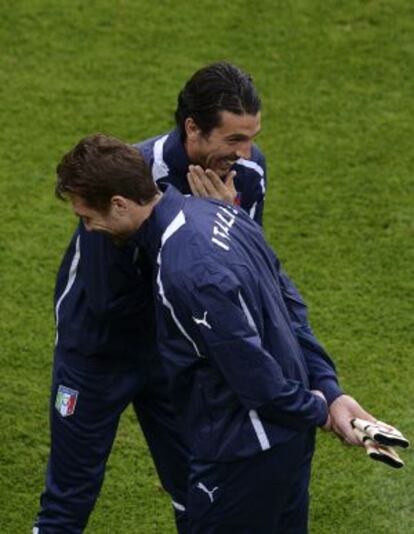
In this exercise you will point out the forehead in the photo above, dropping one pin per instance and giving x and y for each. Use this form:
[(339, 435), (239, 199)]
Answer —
[(244, 124)]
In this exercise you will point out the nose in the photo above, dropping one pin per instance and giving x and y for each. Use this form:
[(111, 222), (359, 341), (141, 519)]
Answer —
[(244, 149)]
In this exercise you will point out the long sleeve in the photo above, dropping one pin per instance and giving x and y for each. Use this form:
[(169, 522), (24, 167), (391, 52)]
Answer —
[(115, 286), (214, 318), (321, 367)]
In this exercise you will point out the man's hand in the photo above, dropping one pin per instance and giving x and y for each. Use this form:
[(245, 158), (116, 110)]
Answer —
[(207, 183), (342, 410)]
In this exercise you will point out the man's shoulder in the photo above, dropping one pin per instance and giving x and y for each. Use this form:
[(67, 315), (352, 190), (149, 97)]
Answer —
[(195, 270), (206, 237), (150, 141), (257, 154), (146, 147), (255, 165), (162, 153)]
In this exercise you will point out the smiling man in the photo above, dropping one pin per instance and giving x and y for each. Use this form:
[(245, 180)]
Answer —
[(229, 141), (211, 152)]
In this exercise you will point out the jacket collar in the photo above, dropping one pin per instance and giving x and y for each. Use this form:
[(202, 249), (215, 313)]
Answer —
[(164, 217), (176, 159)]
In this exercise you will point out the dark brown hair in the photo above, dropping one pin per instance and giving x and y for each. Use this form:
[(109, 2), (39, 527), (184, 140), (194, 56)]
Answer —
[(99, 167), (215, 88)]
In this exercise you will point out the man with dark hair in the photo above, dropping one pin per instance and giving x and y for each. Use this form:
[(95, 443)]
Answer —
[(211, 151), (105, 355), (217, 118), (241, 381)]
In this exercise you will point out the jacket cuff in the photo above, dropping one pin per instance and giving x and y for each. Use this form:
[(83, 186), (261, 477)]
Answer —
[(330, 388), (322, 411)]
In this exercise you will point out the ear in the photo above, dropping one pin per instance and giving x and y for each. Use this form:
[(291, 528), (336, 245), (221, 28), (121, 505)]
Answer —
[(192, 131), (119, 203)]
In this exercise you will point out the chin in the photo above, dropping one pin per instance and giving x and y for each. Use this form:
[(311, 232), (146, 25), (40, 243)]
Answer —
[(222, 172)]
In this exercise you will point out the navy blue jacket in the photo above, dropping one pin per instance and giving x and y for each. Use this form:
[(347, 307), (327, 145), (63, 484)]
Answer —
[(240, 378), (103, 303)]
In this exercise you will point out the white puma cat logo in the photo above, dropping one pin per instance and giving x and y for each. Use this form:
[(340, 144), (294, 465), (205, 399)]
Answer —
[(201, 486), (202, 321)]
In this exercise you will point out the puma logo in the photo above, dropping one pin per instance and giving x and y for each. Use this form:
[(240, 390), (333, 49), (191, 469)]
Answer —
[(201, 486), (202, 321)]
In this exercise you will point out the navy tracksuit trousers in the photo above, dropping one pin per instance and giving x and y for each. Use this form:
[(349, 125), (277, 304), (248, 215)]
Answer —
[(263, 494), (81, 442)]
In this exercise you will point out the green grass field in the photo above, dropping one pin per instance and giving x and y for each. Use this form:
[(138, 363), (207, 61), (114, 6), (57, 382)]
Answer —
[(337, 83)]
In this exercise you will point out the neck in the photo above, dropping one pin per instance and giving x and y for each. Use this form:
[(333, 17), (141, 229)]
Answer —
[(142, 213), (191, 151)]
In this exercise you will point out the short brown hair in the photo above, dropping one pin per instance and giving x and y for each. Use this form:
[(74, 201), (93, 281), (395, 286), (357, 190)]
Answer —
[(99, 167)]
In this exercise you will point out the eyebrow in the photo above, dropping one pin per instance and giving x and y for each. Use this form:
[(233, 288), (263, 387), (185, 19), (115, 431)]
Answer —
[(243, 136)]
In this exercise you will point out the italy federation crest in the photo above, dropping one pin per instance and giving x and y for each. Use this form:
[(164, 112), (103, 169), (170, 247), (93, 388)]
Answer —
[(66, 400)]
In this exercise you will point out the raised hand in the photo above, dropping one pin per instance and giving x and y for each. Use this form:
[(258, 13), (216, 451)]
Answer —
[(207, 183)]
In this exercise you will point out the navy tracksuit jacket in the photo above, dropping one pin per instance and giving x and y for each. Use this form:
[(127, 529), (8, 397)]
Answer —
[(239, 375), (240, 378)]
